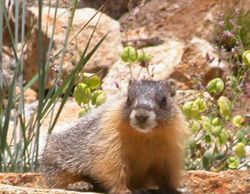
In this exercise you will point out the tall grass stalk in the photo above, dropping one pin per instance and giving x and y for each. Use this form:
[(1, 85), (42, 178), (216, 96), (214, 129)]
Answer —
[(1, 69), (19, 143)]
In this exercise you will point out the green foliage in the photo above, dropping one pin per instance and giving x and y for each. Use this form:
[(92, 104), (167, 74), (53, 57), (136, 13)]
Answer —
[(144, 57), (19, 143), (219, 140), (129, 54), (82, 93), (246, 58), (221, 132), (86, 92), (216, 85)]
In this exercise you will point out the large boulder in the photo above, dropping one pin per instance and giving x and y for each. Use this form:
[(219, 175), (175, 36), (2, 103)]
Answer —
[(105, 56), (181, 19)]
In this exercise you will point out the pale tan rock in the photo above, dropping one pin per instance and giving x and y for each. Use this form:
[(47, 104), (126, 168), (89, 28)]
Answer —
[(8, 189), (105, 56), (30, 95), (164, 58)]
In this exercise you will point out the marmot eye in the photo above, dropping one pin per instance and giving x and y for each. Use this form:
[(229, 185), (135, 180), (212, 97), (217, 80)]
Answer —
[(163, 102)]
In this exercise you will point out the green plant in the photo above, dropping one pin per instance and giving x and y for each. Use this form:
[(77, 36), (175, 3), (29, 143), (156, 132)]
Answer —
[(19, 144), (220, 131), (221, 123), (87, 92)]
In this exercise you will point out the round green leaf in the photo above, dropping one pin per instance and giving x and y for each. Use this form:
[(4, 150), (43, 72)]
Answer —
[(233, 162), (238, 120), (216, 130), (225, 107), (101, 98), (129, 54), (94, 82), (206, 123), (246, 58), (221, 139), (217, 122), (144, 57), (215, 85), (195, 126), (201, 104), (190, 109), (82, 94), (240, 149)]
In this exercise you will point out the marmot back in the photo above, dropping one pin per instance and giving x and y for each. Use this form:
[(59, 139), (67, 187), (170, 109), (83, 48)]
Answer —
[(133, 143)]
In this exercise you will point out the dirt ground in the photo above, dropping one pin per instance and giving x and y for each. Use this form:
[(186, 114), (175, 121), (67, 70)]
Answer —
[(196, 182)]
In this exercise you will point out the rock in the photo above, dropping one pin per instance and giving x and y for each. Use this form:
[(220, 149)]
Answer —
[(30, 95), (198, 62), (179, 19), (8, 65), (7, 189), (114, 10), (52, 3), (8, 71), (195, 182), (10, 9), (105, 56), (164, 58), (207, 29)]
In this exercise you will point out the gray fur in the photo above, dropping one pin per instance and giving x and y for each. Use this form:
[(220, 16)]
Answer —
[(64, 151)]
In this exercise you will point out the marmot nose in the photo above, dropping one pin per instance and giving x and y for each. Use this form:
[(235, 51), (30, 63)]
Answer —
[(141, 118)]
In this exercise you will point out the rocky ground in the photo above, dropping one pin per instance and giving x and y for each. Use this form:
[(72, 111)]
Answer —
[(178, 34), (196, 182)]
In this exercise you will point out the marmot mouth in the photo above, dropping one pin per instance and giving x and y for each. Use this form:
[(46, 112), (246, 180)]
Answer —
[(143, 128), (143, 120)]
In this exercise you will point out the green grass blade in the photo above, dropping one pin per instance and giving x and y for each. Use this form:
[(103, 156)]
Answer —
[(8, 109), (41, 84), (1, 71), (9, 29)]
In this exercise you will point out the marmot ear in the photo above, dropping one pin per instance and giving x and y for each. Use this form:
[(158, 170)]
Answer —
[(171, 87)]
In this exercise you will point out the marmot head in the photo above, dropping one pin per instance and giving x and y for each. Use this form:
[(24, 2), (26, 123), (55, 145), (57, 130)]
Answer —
[(150, 103)]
